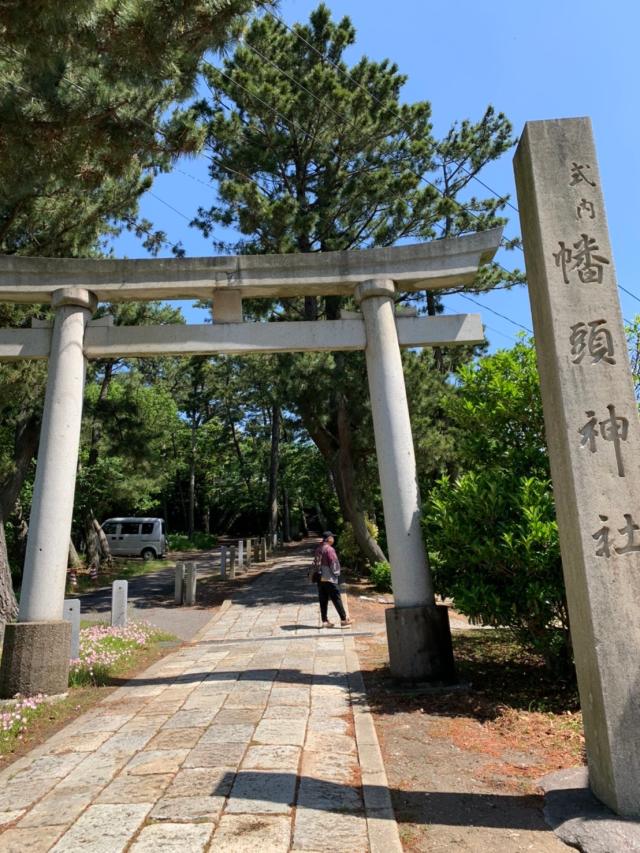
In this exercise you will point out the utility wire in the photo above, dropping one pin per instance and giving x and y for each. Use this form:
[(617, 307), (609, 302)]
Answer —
[(629, 293), (497, 313), (170, 206)]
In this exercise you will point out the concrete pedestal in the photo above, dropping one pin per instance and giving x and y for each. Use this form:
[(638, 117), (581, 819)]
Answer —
[(35, 658), (419, 641)]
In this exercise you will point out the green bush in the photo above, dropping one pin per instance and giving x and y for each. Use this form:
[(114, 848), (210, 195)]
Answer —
[(198, 542), (491, 529), (381, 576), (349, 550)]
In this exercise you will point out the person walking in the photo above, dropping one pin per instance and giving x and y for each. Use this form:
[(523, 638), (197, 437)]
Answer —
[(328, 572)]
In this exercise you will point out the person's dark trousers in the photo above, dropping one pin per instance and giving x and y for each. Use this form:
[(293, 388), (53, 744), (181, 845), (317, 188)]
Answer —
[(326, 591)]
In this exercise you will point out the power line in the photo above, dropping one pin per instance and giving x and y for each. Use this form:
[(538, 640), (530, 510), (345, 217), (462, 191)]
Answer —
[(497, 313), (170, 206), (498, 332), (629, 293)]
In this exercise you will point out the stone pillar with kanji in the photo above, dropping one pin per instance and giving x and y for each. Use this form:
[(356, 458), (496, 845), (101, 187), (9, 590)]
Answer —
[(593, 436)]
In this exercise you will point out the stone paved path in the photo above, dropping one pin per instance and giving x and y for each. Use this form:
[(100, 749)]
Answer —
[(254, 737)]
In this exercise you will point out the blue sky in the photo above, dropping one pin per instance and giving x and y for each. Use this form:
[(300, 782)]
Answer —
[(531, 60)]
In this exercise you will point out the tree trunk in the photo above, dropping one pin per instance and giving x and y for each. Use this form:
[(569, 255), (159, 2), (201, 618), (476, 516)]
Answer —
[(74, 563), (238, 450), (98, 551), (96, 426), (192, 481), (336, 450), (25, 444), (273, 470), (8, 603), (21, 531), (286, 518), (304, 529), (432, 311), (74, 560)]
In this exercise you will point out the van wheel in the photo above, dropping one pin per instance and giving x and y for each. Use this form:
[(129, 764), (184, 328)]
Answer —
[(148, 554)]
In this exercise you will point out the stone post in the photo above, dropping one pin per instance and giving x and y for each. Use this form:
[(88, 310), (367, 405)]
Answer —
[(119, 594), (232, 561), (223, 561), (45, 568), (240, 555), (248, 550), (190, 582), (593, 435), (263, 549), (71, 613), (417, 629), (179, 584)]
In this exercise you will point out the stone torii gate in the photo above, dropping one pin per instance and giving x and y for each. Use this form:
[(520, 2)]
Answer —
[(36, 648)]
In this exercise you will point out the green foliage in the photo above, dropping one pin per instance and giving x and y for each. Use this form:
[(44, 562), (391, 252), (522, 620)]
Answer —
[(381, 576), (350, 553), (314, 154), (198, 542), (86, 119), (492, 528)]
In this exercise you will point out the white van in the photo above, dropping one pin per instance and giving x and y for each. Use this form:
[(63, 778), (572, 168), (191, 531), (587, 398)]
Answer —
[(136, 537)]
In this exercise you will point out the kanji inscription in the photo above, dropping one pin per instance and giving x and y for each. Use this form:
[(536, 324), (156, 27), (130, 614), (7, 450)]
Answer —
[(614, 429), (579, 174), (604, 542), (582, 258), (592, 339), (587, 208)]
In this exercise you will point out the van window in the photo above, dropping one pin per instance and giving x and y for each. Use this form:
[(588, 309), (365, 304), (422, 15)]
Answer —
[(109, 528), (147, 528), (128, 528)]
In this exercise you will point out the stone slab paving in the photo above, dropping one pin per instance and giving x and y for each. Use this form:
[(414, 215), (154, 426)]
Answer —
[(256, 735)]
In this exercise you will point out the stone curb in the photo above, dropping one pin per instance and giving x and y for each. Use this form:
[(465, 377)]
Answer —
[(381, 823), (226, 604)]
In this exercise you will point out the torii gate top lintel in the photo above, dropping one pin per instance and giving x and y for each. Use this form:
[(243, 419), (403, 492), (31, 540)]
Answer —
[(435, 264)]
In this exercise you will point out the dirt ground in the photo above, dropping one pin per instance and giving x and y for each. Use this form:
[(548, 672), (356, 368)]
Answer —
[(462, 765)]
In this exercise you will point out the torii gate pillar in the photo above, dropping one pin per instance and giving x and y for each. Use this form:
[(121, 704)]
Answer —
[(418, 630), (37, 648)]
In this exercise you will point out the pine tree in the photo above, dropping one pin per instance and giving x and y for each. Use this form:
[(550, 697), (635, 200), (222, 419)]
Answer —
[(312, 155), (88, 90)]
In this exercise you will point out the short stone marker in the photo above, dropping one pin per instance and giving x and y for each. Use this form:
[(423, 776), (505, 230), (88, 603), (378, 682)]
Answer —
[(240, 555), (256, 552), (119, 592), (190, 582), (179, 584), (593, 434), (223, 561), (263, 549), (71, 613), (248, 551), (232, 561)]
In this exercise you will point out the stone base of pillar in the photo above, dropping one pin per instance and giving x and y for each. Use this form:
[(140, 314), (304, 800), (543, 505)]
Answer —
[(35, 658), (419, 641)]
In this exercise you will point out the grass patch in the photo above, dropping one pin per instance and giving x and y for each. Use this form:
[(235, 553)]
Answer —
[(119, 570), (197, 542)]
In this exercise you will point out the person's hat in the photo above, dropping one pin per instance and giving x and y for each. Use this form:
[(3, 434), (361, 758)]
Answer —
[(327, 534)]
